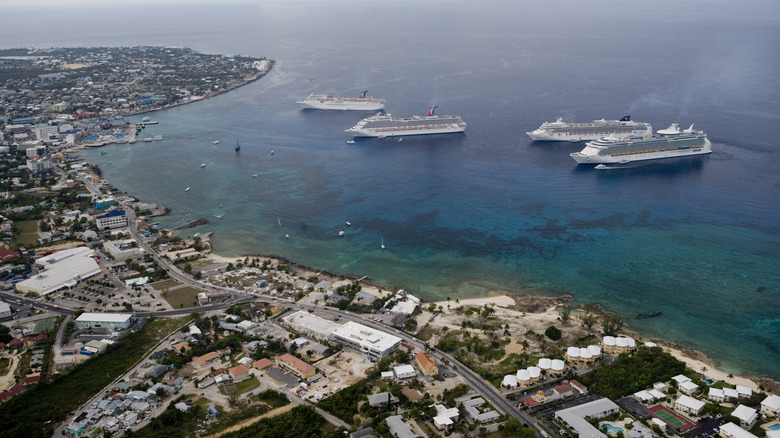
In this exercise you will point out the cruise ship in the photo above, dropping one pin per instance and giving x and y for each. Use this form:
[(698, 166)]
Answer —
[(384, 125), (562, 131), (667, 143), (325, 102)]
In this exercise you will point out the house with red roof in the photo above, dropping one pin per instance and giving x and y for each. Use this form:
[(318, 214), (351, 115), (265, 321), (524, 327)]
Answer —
[(6, 255), (43, 337), (30, 380), (17, 389), (2, 345), (5, 395), (15, 343)]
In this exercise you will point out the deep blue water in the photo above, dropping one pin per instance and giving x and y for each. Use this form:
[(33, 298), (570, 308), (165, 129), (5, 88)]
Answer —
[(490, 210)]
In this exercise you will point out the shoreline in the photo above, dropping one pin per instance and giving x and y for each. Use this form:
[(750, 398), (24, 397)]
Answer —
[(547, 306)]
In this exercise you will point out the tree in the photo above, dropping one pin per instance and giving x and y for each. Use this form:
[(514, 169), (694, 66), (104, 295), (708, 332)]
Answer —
[(612, 324), (566, 313), (553, 333), (588, 320)]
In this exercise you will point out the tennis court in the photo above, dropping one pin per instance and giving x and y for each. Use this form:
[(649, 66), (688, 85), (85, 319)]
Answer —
[(675, 421)]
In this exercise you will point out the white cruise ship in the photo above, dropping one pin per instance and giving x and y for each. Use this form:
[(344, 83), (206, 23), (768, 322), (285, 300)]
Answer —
[(325, 102), (563, 131), (384, 125), (667, 143)]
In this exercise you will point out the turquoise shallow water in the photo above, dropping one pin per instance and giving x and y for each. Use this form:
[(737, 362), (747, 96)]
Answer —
[(488, 211)]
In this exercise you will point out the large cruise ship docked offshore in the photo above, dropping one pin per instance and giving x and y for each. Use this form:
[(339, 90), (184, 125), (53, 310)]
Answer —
[(667, 143), (325, 102), (384, 125), (563, 131)]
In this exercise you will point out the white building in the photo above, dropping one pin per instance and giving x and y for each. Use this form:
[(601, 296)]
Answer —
[(689, 405), (716, 394), (445, 417), (112, 219), (310, 324), (483, 417), (61, 269), (731, 430), (113, 321), (404, 372), (747, 415), (398, 428), (510, 381), (689, 387), (744, 391), (771, 406), (577, 417), (367, 340), (5, 311)]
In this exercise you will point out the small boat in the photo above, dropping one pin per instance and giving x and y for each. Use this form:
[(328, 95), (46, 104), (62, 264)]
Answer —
[(220, 205), (157, 137), (383, 243), (648, 315), (400, 139), (103, 152), (146, 119), (216, 142), (272, 151), (602, 166), (350, 141), (286, 236), (349, 224), (133, 141), (341, 233), (147, 140), (280, 221), (219, 216), (187, 189), (202, 165), (238, 146), (254, 175)]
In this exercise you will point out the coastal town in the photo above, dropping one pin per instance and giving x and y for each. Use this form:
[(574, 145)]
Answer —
[(113, 326)]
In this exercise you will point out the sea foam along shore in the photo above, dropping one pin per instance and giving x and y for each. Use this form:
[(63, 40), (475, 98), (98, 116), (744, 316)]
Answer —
[(506, 305)]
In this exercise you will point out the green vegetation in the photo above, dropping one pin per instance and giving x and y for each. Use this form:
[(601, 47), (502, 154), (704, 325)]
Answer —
[(243, 386), (514, 428), (182, 297), (172, 423), (301, 421), (166, 284), (26, 234), (553, 333), (629, 374), (344, 403), (35, 412), (272, 398)]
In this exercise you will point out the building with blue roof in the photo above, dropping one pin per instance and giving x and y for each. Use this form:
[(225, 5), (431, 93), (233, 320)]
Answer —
[(112, 219)]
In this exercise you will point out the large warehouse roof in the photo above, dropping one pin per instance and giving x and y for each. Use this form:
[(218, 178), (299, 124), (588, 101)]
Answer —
[(60, 270), (104, 317)]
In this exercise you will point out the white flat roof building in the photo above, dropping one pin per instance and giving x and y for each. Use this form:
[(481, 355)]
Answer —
[(747, 415), (689, 404), (688, 387), (61, 269), (108, 320), (5, 310), (771, 405), (510, 381), (404, 372), (577, 416), (365, 339), (310, 324)]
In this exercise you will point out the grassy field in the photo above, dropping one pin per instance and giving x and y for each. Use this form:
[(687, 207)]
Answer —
[(27, 234), (4, 364), (44, 325), (165, 284), (182, 298), (244, 386)]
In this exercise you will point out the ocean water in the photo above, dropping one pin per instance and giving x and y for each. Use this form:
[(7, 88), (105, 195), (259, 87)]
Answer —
[(487, 211)]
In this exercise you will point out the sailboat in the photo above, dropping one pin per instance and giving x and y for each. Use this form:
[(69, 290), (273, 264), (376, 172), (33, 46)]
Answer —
[(238, 146), (383, 243)]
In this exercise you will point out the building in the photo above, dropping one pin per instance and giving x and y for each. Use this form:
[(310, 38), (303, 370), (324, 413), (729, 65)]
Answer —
[(427, 364), (105, 203), (471, 407), (689, 405), (375, 343), (399, 429), (577, 417), (94, 347), (404, 372), (5, 311), (744, 391), (617, 345), (206, 360), (262, 364), (716, 394), (445, 417), (112, 219), (239, 373), (296, 366), (689, 387), (731, 430), (114, 321), (123, 249), (746, 415), (510, 381), (771, 406), (310, 325), (382, 399), (60, 270)]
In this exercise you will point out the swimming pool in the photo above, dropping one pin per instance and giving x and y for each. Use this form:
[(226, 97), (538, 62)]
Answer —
[(612, 428), (775, 426)]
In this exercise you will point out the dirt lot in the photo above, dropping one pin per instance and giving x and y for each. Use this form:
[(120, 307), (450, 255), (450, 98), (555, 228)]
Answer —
[(348, 367), (182, 297), (165, 284)]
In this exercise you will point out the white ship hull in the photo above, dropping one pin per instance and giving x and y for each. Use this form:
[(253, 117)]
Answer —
[(587, 156), (401, 132), (325, 102), (573, 132)]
